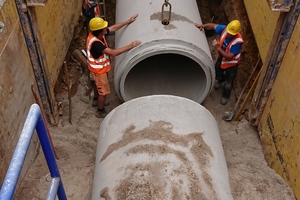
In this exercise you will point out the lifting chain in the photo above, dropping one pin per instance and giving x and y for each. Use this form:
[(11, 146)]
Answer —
[(166, 20)]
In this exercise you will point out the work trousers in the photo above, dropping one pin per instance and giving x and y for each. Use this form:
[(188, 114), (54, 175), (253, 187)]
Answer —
[(228, 75)]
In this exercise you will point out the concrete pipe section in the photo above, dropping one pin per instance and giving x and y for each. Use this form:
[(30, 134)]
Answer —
[(174, 57), (160, 147)]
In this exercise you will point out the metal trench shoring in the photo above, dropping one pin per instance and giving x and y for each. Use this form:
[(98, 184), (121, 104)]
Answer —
[(36, 61), (275, 62)]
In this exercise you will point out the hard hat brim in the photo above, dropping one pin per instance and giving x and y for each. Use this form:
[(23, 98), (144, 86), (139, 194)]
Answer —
[(231, 33)]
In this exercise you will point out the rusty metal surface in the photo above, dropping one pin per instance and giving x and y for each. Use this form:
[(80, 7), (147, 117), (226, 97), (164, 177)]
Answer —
[(275, 61), (276, 106), (35, 59)]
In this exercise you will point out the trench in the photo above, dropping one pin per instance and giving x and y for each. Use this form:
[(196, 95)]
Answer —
[(158, 73), (211, 11)]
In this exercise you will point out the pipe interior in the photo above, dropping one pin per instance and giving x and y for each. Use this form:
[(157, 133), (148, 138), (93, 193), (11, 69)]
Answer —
[(169, 74)]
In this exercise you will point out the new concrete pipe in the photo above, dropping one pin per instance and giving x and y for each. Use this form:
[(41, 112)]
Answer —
[(173, 59), (160, 147)]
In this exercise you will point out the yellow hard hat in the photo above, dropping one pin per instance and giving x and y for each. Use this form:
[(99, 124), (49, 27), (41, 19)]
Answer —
[(234, 27), (97, 23)]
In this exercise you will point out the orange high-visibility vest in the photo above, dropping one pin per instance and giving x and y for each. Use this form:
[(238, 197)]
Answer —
[(100, 65), (236, 59)]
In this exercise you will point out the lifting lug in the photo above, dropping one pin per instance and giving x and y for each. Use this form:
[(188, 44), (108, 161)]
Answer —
[(166, 20)]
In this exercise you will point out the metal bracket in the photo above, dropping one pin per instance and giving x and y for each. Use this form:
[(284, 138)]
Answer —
[(36, 2), (1, 27), (281, 5)]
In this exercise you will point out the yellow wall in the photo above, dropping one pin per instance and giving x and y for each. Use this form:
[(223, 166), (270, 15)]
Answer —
[(263, 22), (56, 22), (281, 145), (53, 25), (16, 77), (280, 123)]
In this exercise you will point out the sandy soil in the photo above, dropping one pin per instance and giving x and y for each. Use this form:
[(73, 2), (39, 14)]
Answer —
[(75, 145)]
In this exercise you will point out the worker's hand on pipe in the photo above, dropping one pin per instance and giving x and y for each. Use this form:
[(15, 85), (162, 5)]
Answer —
[(215, 43), (200, 26), (133, 18), (135, 43)]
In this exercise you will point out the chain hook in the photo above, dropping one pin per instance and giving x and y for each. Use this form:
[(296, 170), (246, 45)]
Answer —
[(166, 20)]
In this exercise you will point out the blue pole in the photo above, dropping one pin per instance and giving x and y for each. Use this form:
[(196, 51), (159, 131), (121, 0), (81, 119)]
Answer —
[(53, 188), (16, 164), (33, 121), (49, 155)]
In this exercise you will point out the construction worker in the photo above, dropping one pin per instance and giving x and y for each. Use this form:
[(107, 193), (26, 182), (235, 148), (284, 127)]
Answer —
[(229, 48), (89, 9), (98, 56)]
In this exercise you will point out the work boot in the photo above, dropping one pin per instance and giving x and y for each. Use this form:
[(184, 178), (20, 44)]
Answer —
[(224, 101), (95, 103), (101, 113), (218, 84)]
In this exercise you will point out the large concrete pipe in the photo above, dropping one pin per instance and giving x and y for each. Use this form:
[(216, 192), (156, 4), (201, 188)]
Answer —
[(173, 59), (160, 147)]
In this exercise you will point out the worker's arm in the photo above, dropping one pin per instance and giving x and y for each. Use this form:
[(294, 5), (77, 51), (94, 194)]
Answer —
[(208, 26), (118, 51), (218, 48), (117, 26)]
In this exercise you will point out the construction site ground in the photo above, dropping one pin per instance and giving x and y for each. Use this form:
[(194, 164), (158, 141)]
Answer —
[(75, 143)]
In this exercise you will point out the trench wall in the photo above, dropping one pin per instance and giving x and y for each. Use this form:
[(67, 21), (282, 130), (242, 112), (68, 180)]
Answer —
[(263, 22), (16, 77), (54, 25), (56, 22), (280, 123)]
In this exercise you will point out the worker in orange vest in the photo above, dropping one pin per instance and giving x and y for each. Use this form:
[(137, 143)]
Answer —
[(229, 48), (98, 57), (89, 9)]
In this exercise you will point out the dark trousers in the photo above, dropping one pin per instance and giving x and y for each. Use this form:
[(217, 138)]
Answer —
[(86, 26), (228, 75)]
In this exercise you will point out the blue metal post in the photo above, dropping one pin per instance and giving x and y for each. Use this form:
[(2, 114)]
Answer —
[(33, 121), (16, 164), (49, 155), (53, 188)]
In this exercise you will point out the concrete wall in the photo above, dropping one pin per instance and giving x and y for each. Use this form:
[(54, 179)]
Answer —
[(280, 123), (53, 25), (263, 22)]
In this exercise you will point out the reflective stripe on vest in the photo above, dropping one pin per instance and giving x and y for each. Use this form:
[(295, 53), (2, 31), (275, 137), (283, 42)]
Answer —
[(236, 59), (100, 65)]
